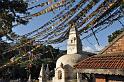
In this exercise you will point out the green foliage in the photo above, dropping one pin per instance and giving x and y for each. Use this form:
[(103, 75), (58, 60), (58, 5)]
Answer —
[(122, 4), (10, 12), (114, 35), (44, 54), (3, 47)]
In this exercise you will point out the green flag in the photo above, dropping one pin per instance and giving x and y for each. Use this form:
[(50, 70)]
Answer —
[(54, 0)]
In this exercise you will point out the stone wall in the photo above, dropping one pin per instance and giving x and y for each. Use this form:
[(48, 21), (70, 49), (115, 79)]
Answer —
[(116, 47)]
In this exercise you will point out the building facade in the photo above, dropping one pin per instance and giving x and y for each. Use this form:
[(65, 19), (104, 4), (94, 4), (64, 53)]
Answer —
[(107, 66)]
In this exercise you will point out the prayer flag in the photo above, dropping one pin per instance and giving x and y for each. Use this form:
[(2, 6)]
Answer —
[(50, 1), (63, 1), (55, 0)]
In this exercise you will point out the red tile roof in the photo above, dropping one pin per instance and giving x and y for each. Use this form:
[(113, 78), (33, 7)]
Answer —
[(115, 61), (112, 60)]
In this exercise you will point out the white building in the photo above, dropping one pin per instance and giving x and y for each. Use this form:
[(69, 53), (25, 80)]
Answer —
[(64, 71)]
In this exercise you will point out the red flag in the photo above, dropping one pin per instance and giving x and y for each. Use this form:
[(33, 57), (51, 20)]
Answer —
[(50, 1), (63, 1)]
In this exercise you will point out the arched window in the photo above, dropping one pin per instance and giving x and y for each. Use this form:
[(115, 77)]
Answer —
[(59, 74), (74, 39)]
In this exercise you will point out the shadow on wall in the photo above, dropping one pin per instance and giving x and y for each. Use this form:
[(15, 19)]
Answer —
[(68, 72)]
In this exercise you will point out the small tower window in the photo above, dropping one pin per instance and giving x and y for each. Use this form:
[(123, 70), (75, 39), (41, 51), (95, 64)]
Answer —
[(71, 41), (74, 39)]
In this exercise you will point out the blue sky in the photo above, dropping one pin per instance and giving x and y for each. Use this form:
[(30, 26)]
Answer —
[(36, 22)]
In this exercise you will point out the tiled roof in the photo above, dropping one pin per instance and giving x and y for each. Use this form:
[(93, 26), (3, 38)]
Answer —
[(102, 62), (112, 60)]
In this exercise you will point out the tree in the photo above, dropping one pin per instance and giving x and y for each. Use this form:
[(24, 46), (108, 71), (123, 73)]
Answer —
[(3, 46), (44, 54), (114, 35), (11, 12)]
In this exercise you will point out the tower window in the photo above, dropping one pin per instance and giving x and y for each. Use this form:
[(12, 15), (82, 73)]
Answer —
[(74, 39), (71, 41)]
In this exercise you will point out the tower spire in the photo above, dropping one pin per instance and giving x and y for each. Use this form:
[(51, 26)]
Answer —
[(74, 45)]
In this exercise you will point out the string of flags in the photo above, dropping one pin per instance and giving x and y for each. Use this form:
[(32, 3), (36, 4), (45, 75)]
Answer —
[(17, 60), (48, 1), (54, 35), (51, 8), (49, 22), (50, 41), (42, 4), (94, 21), (62, 25), (66, 17), (60, 16), (46, 24), (108, 20), (54, 32), (32, 2)]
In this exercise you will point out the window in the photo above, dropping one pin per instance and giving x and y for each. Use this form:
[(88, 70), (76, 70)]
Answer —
[(71, 41)]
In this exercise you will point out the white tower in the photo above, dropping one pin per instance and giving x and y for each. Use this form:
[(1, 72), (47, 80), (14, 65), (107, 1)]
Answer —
[(74, 45), (64, 71)]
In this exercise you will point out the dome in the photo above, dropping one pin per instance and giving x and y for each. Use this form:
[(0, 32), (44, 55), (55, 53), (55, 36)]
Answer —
[(68, 59)]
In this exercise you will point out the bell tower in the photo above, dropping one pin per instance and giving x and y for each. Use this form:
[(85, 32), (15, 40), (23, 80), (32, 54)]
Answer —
[(74, 45)]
